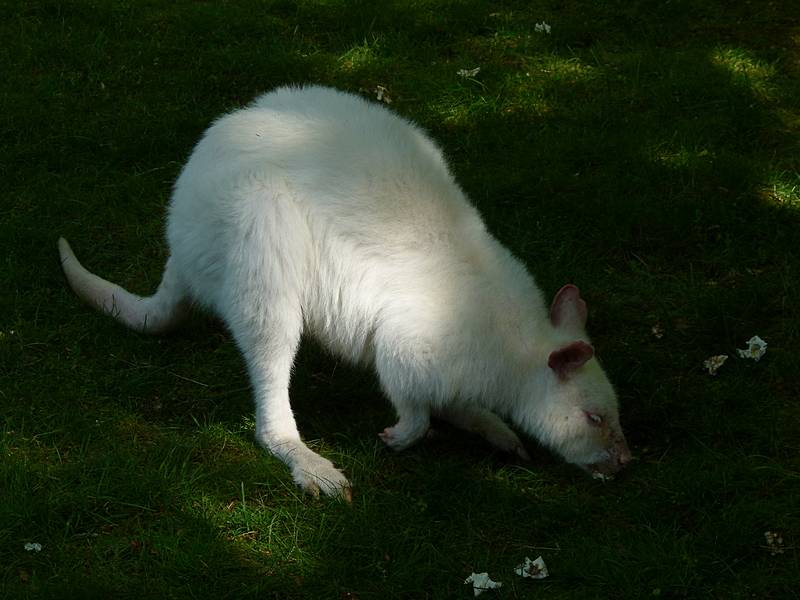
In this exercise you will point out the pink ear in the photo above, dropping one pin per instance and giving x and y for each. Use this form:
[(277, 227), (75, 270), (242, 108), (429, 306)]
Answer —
[(568, 309), (569, 358)]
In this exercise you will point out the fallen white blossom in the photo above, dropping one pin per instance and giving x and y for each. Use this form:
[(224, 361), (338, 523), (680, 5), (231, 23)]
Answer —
[(713, 364), (481, 582), (657, 330), (33, 547), (468, 72), (534, 569), (774, 542), (382, 94), (756, 348), (542, 28)]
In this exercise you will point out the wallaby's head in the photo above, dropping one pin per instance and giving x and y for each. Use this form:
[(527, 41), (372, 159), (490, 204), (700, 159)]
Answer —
[(579, 417)]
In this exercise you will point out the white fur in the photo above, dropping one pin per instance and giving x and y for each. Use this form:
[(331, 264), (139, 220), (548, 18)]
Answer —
[(316, 210)]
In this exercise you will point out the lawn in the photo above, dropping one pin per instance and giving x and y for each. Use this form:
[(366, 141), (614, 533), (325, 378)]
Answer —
[(646, 151)]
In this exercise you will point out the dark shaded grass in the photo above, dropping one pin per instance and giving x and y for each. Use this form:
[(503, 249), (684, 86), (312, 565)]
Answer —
[(646, 153)]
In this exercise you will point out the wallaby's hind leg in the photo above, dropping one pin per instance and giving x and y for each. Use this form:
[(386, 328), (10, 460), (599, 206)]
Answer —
[(412, 425), (268, 338), (487, 425), (413, 417)]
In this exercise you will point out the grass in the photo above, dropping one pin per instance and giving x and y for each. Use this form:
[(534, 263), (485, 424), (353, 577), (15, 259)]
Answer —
[(647, 152)]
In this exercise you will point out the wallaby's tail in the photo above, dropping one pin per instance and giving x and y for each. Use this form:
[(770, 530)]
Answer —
[(158, 313)]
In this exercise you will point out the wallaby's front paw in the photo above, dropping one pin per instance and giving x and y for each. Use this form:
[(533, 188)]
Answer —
[(506, 440), (496, 432), (316, 475)]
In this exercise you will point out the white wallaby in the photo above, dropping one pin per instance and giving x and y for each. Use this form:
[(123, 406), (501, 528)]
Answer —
[(317, 210)]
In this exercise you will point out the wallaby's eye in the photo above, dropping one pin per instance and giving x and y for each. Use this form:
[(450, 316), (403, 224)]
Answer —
[(594, 418)]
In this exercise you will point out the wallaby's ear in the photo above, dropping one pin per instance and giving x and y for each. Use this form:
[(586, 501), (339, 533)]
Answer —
[(568, 310), (569, 358)]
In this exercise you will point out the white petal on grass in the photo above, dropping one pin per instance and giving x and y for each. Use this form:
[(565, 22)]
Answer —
[(33, 547), (533, 569), (756, 348), (468, 72), (713, 363), (774, 542), (542, 28), (382, 94), (481, 583)]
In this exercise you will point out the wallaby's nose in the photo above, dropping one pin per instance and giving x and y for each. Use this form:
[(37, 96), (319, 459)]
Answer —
[(624, 455)]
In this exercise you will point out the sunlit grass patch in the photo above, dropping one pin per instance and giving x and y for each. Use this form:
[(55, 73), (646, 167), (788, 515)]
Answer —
[(359, 57), (562, 69), (740, 61), (533, 88), (746, 69), (682, 157), (460, 112), (784, 189)]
